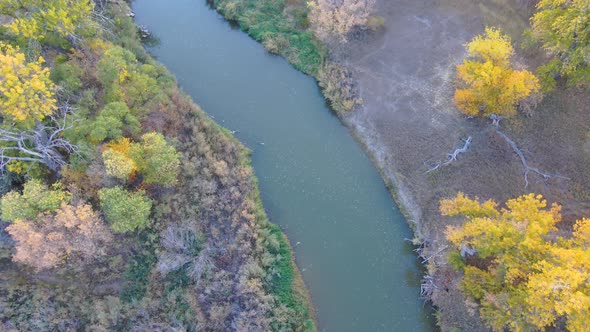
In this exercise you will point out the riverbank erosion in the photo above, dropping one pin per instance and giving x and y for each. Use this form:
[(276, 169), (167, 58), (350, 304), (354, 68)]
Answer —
[(405, 76), (207, 258)]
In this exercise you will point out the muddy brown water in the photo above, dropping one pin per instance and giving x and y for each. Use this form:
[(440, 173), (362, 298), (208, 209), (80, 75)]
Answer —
[(316, 181)]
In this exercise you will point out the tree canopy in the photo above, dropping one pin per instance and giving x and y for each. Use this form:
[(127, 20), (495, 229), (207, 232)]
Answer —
[(35, 198), (156, 160), (73, 233), (524, 276), (125, 211), (26, 92), (488, 83), (43, 19), (562, 28)]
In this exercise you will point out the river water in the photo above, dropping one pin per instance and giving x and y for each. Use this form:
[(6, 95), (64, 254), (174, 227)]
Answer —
[(315, 180)]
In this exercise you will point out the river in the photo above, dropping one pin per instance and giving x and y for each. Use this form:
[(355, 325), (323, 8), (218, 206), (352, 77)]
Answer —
[(316, 181)]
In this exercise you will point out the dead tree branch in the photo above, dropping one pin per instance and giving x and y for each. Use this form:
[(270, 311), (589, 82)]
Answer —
[(452, 156), (427, 287), (525, 165), (43, 144), (426, 259), (496, 119)]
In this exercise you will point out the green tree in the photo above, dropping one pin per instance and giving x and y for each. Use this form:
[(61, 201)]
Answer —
[(112, 121), (524, 276), (125, 211), (36, 198), (489, 84), (157, 160), (562, 28), (125, 79)]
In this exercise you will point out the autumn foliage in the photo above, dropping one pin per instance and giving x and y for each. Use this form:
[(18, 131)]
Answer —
[(73, 233), (489, 85), (562, 28), (524, 276), (333, 20), (26, 92), (40, 19)]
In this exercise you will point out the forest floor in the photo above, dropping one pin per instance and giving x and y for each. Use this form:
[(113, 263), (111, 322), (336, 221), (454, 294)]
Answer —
[(405, 74)]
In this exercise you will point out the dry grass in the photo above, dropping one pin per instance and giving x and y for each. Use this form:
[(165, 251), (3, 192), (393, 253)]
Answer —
[(408, 121)]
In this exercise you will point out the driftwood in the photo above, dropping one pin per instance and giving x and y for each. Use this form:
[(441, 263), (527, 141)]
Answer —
[(427, 287), (452, 156), (525, 165)]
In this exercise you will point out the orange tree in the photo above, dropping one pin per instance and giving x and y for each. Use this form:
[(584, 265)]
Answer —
[(523, 275), (489, 85)]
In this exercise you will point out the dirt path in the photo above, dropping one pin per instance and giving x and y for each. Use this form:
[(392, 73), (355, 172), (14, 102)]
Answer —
[(405, 75)]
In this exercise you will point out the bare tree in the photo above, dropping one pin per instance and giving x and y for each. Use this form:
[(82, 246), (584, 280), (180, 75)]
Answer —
[(43, 144)]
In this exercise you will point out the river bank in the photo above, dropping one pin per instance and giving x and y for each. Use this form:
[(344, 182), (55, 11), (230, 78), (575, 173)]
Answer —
[(315, 181), (407, 123), (205, 258)]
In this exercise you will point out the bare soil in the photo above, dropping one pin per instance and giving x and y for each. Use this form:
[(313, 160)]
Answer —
[(405, 74)]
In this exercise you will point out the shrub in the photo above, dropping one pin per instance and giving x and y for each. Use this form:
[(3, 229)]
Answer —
[(68, 77), (375, 22)]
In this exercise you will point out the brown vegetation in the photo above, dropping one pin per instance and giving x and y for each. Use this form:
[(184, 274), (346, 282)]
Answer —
[(74, 234), (333, 20)]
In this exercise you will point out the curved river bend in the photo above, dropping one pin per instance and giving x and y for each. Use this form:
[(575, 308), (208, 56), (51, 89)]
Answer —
[(315, 180)]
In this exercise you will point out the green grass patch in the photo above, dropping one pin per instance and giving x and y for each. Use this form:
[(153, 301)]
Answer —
[(138, 271)]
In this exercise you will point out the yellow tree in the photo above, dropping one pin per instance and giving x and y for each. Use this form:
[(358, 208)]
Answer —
[(523, 275), (26, 92), (117, 161), (38, 19), (488, 83)]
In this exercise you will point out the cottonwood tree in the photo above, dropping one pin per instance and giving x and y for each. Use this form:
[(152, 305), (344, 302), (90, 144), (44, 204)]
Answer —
[(333, 20), (26, 92), (27, 99), (489, 85), (524, 276), (562, 28), (40, 20)]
